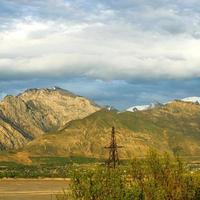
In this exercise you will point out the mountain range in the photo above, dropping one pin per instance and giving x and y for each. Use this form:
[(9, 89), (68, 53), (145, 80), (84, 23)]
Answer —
[(57, 122), (157, 104)]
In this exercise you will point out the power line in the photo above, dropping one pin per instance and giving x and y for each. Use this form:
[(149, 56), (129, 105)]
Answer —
[(113, 159)]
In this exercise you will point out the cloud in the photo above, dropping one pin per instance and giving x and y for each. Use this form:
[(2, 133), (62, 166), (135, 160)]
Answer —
[(109, 40), (116, 42)]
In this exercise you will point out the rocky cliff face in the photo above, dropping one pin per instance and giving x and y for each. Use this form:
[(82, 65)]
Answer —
[(38, 111), (10, 136)]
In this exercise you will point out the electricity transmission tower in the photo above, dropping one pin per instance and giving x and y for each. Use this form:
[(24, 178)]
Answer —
[(113, 159)]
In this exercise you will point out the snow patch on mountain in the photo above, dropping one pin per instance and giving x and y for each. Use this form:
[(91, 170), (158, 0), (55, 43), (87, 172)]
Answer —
[(192, 99), (138, 108), (144, 107), (157, 104), (110, 108)]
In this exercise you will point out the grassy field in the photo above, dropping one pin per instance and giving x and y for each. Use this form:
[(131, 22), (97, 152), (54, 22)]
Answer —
[(42, 167), (63, 167), (62, 161)]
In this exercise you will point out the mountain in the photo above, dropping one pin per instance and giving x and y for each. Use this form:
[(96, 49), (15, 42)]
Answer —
[(38, 111), (11, 136), (144, 107), (171, 127), (192, 99), (153, 105), (57, 122)]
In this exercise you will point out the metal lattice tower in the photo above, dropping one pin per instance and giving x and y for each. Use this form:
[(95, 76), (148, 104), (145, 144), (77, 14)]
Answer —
[(113, 159)]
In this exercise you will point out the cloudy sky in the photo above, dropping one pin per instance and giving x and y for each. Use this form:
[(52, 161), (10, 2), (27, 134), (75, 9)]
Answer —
[(116, 52)]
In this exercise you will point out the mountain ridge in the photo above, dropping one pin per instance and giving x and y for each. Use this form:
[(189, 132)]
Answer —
[(194, 99), (38, 111), (54, 121), (167, 128)]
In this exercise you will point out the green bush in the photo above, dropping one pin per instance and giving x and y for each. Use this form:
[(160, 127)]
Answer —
[(164, 178), (156, 177)]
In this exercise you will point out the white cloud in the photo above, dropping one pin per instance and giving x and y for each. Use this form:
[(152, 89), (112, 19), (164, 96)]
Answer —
[(110, 42)]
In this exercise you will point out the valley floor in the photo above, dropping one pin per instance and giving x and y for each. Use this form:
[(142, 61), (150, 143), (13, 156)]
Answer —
[(37, 189)]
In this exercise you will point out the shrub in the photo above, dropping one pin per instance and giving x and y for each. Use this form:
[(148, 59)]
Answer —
[(156, 177), (163, 177)]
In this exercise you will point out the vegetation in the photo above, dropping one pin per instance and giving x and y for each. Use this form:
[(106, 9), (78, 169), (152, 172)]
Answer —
[(51, 167), (156, 177), (14, 170), (62, 161)]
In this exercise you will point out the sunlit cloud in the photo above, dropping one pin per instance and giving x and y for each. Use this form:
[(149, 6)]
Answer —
[(99, 40)]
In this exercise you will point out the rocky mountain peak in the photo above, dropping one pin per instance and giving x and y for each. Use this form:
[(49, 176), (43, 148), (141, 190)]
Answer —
[(39, 111), (47, 91)]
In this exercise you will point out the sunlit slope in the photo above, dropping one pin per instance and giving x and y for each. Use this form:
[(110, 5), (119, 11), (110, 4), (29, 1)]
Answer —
[(173, 127), (39, 111)]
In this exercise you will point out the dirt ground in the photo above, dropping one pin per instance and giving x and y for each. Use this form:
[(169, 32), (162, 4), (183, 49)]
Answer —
[(31, 189)]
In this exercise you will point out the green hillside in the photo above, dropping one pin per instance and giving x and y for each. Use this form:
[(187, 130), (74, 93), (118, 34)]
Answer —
[(173, 127)]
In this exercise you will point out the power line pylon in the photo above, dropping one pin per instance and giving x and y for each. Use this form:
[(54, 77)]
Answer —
[(113, 159)]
